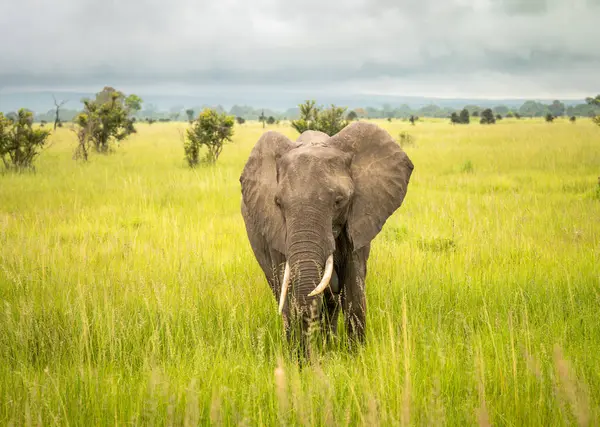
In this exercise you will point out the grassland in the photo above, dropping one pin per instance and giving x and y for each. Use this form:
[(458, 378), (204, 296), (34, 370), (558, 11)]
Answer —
[(129, 293)]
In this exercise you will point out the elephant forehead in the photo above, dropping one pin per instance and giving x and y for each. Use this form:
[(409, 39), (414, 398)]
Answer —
[(305, 157)]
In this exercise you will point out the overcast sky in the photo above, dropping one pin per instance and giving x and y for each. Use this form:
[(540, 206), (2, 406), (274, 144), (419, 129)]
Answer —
[(450, 48)]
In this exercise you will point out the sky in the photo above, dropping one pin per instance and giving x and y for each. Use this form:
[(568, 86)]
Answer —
[(452, 48)]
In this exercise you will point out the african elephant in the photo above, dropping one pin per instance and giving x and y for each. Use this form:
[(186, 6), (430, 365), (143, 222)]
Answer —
[(311, 209)]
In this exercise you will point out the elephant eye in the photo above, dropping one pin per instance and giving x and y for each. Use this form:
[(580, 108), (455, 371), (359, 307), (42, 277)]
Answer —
[(339, 201), (278, 201)]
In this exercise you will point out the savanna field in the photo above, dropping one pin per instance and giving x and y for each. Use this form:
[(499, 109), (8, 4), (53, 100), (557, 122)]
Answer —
[(129, 294)]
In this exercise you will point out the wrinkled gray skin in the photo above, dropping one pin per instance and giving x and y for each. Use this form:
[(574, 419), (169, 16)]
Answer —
[(321, 195)]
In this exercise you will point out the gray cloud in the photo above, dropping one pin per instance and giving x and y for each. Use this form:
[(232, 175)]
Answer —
[(456, 47)]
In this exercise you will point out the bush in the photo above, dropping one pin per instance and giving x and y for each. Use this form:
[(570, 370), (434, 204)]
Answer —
[(487, 117), (104, 120), (20, 144), (329, 121), (550, 118), (573, 119), (405, 139), (351, 116), (271, 120), (240, 120), (211, 130)]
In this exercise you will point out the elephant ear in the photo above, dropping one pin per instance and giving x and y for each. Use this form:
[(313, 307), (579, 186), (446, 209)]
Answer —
[(380, 172), (259, 184)]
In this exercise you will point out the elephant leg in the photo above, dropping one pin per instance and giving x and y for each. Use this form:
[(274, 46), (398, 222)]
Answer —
[(331, 309), (353, 295)]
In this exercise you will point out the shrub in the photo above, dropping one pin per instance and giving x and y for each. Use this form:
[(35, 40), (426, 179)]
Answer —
[(271, 120), (550, 118), (329, 121), (405, 139), (20, 143), (104, 120), (240, 120), (212, 130), (573, 119), (351, 116), (487, 117), (464, 117)]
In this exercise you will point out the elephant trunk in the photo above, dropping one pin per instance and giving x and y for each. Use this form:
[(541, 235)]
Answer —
[(310, 245)]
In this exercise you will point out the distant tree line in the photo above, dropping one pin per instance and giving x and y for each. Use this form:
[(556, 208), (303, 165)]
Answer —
[(151, 113)]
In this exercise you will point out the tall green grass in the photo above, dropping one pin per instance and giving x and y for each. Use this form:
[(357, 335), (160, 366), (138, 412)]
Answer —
[(129, 293)]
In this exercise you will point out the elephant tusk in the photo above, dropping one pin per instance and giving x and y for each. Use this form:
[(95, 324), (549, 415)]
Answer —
[(284, 286), (326, 278)]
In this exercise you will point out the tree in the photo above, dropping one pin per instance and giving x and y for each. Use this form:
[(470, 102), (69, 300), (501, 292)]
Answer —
[(594, 102), (475, 114), (240, 120), (454, 119), (351, 116), (20, 143), (549, 118), (190, 114), (309, 115), (58, 105), (557, 108), (517, 116), (329, 121), (271, 120), (464, 117), (500, 110), (510, 115), (498, 116), (412, 119), (262, 118), (487, 117), (105, 120), (212, 129), (573, 119)]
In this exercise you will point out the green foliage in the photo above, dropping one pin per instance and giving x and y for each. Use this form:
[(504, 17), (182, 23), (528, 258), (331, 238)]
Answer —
[(211, 130), (487, 117), (329, 121), (309, 115), (500, 110), (498, 116), (573, 119), (557, 108), (595, 102), (517, 116), (460, 118), (510, 115), (404, 139), (467, 167), (20, 143), (190, 114), (549, 118), (240, 120), (105, 120), (271, 120), (412, 119), (351, 116)]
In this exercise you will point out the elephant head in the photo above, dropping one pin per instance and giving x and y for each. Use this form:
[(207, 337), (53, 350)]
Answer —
[(303, 198)]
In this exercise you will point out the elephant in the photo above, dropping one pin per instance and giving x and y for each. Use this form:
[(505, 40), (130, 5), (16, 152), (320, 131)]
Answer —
[(311, 209)]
